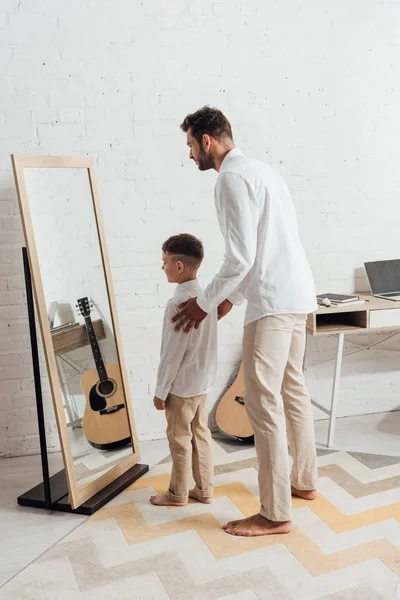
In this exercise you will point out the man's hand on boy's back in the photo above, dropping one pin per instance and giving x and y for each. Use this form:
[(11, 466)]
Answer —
[(158, 403), (191, 315)]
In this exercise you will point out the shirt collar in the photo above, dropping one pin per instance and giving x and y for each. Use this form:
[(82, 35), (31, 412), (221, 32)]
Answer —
[(187, 286), (231, 154)]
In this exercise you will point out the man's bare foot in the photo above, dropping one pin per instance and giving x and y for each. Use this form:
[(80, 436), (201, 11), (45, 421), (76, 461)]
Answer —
[(305, 494), (164, 500), (257, 525), (193, 494)]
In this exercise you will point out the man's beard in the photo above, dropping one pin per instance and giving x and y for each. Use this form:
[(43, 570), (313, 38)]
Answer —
[(205, 161)]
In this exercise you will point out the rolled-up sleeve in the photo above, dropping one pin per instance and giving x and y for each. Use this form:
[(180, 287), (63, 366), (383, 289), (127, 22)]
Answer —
[(236, 297), (238, 214)]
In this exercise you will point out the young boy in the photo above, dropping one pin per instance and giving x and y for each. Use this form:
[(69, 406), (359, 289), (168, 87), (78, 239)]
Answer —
[(186, 372)]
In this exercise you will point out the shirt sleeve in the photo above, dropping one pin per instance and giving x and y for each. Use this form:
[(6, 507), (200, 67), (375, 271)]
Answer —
[(236, 297), (238, 213), (173, 348)]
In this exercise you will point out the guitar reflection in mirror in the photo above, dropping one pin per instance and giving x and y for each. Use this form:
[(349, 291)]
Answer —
[(105, 420)]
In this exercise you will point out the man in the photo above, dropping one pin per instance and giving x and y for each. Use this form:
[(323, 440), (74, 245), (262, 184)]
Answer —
[(266, 265)]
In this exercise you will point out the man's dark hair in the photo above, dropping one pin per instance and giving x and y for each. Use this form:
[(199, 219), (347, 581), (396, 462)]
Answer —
[(186, 247), (210, 121)]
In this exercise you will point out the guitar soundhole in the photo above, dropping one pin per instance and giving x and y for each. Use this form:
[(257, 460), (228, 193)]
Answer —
[(106, 388)]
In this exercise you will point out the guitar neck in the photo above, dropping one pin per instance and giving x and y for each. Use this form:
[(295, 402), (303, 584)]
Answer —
[(98, 359)]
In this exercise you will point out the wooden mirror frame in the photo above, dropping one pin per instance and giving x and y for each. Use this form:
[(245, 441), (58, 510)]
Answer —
[(78, 494)]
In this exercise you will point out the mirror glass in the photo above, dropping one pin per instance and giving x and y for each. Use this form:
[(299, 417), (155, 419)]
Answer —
[(75, 291)]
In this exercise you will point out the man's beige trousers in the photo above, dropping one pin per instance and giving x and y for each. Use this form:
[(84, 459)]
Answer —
[(275, 392), (190, 444)]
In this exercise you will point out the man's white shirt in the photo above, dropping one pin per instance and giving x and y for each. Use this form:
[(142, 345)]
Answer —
[(265, 262)]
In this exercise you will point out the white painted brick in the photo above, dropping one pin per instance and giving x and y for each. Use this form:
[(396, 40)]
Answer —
[(64, 101), (6, 404), (9, 387), (11, 224), (125, 274), (139, 287), (16, 283), (143, 259), (21, 417), (30, 26), (10, 255), (13, 342), (16, 372), (15, 358), (20, 430), (13, 239), (27, 384), (71, 116), (59, 130), (20, 131), (6, 208), (44, 114), (28, 67), (138, 388), (30, 444), (23, 402), (11, 298), (337, 157)]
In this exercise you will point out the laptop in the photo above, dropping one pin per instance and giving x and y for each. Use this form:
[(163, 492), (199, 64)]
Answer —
[(384, 278)]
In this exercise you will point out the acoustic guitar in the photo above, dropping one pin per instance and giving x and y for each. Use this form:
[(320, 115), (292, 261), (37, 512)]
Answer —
[(105, 420), (231, 416)]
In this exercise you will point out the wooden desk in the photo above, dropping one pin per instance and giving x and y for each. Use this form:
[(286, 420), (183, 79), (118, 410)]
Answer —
[(352, 318), (76, 337)]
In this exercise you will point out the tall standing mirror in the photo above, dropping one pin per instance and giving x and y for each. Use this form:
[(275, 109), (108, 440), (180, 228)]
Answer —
[(78, 320)]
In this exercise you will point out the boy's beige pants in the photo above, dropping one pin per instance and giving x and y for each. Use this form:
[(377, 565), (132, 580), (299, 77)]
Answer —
[(190, 444), (275, 391)]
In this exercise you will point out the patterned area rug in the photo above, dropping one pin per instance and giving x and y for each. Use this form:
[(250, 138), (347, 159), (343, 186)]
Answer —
[(345, 545)]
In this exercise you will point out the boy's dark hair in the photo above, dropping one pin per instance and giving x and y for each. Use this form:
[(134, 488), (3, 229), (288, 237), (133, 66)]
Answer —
[(210, 121), (186, 247)]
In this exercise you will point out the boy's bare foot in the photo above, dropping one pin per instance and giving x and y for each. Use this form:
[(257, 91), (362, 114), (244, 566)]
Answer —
[(257, 525), (305, 494), (193, 494), (164, 500)]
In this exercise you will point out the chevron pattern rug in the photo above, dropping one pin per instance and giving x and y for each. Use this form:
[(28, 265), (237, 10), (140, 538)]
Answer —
[(345, 545)]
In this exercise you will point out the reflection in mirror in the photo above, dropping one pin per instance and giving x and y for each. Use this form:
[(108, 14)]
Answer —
[(75, 291)]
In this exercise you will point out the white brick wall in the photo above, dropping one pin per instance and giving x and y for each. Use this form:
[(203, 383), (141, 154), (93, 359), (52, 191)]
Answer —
[(313, 87)]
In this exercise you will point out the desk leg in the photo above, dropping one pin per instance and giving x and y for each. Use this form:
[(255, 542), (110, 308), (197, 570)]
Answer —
[(335, 390)]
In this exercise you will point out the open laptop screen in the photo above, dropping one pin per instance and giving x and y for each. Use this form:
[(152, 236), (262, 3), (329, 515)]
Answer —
[(384, 276)]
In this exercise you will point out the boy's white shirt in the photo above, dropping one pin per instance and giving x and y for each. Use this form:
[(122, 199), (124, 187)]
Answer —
[(188, 361)]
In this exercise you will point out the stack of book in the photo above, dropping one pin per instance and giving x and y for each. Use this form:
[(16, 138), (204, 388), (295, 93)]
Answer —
[(336, 299)]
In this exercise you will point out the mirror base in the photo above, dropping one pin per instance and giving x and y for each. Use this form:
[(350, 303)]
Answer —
[(59, 493)]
